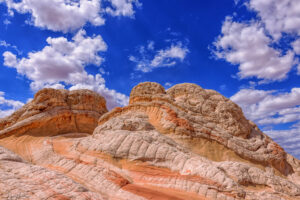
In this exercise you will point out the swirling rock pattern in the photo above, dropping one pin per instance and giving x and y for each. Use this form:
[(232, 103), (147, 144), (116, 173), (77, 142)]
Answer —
[(183, 143)]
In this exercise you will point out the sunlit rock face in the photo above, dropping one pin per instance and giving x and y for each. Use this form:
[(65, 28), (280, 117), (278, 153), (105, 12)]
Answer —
[(182, 143)]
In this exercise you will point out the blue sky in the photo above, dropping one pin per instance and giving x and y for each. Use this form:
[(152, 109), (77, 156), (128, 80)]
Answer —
[(247, 50)]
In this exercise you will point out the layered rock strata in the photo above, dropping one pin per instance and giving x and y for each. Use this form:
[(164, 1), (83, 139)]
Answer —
[(54, 112), (183, 143), (21, 180)]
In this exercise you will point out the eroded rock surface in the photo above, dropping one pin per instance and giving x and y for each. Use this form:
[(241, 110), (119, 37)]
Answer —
[(183, 143), (53, 112), (22, 180)]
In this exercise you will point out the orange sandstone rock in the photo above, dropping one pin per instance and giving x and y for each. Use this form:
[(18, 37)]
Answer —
[(183, 143), (54, 112)]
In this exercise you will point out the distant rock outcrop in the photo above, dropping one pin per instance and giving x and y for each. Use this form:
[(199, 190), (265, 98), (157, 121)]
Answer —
[(54, 112), (183, 143)]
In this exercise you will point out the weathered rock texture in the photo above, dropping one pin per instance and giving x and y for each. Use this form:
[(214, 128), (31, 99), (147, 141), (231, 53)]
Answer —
[(183, 143)]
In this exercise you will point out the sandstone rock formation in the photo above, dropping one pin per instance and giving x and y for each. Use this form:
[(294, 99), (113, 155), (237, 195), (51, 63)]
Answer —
[(183, 143), (22, 180)]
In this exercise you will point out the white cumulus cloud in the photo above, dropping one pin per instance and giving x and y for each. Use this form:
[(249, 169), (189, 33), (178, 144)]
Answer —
[(63, 61), (278, 16), (246, 45), (69, 15), (269, 107), (122, 7), (150, 58), (60, 59), (59, 15)]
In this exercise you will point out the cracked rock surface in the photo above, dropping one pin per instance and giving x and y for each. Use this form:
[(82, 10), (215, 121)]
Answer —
[(182, 143)]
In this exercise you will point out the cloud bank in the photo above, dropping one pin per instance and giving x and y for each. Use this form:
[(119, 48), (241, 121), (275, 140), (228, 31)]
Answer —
[(246, 45), (62, 63), (70, 15)]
